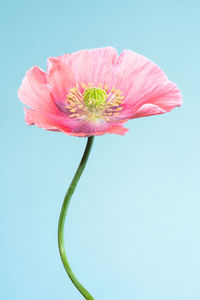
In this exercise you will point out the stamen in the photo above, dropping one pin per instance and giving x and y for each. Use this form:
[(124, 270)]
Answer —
[(94, 103)]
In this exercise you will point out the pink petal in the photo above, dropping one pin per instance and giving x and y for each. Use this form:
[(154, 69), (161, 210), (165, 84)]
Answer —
[(71, 127), (118, 129), (92, 128), (148, 110), (94, 66), (34, 91), (161, 99), (132, 70), (86, 66), (143, 82), (60, 77), (46, 120)]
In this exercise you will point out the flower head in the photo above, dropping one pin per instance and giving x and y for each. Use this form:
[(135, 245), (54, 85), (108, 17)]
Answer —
[(93, 92)]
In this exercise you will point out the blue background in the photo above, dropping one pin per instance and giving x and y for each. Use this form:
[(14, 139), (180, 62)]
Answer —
[(133, 229)]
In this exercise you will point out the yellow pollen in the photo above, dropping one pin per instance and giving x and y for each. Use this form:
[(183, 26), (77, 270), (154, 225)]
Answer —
[(96, 108), (74, 115)]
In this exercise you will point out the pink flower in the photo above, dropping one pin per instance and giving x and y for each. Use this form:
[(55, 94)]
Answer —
[(93, 92)]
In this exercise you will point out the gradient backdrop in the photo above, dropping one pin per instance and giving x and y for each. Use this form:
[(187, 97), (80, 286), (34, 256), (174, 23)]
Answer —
[(133, 229)]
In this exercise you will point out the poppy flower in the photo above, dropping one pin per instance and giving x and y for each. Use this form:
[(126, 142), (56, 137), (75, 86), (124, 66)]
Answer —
[(93, 92)]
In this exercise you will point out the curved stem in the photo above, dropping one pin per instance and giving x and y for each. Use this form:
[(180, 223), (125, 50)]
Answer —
[(63, 213)]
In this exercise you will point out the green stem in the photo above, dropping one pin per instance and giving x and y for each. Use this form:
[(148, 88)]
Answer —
[(63, 213)]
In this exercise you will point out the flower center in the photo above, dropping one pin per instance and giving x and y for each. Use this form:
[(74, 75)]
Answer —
[(94, 98), (94, 104)]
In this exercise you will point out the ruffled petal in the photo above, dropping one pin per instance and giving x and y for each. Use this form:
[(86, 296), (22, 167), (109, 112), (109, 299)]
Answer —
[(134, 72), (94, 66), (143, 82), (118, 129), (148, 110), (34, 91), (71, 127), (94, 128), (161, 99), (87, 66), (60, 77), (46, 120)]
